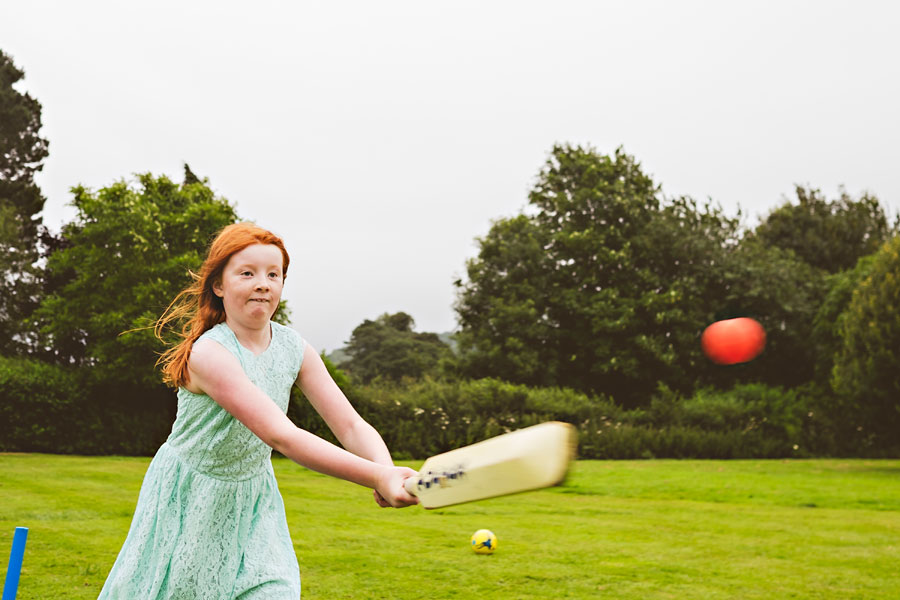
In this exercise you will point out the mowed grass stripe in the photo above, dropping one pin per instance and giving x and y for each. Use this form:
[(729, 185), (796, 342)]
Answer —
[(616, 529)]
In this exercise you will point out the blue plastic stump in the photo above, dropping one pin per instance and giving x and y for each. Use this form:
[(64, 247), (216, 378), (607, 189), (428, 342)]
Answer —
[(14, 569)]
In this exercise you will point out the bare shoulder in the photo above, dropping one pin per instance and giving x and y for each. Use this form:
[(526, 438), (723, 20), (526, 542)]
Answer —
[(210, 364), (206, 349), (311, 363)]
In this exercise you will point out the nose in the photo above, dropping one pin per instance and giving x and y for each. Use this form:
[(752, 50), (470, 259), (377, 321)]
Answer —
[(262, 284)]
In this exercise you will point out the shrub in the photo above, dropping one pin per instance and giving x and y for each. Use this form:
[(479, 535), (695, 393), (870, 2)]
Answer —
[(421, 418), (59, 409), (38, 403)]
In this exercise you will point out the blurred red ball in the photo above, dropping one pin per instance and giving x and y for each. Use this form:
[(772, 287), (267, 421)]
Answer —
[(733, 341)]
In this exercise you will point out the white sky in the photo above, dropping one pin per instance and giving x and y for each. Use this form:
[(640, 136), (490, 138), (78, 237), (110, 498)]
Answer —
[(381, 138)]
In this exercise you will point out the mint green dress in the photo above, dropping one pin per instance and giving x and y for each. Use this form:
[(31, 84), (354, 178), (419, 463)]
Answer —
[(210, 522)]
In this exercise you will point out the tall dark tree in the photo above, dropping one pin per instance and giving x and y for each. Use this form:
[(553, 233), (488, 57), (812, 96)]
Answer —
[(604, 288), (830, 235), (783, 292), (503, 308), (22, 152), (865, 372), (189, 176), (826, 333), (389, 348)]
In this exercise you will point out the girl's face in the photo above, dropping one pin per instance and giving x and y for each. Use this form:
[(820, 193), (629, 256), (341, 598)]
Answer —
[(251, 285)]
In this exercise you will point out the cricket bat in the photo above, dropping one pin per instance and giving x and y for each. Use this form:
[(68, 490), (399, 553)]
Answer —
[(527, 459)]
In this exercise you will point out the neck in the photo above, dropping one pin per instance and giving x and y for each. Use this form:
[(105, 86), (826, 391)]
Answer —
[(252, 338)]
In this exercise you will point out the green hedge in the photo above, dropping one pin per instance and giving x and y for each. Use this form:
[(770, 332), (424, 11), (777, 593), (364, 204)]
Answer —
[(40, 407), (48, 408), (423, 418), (51, 408)]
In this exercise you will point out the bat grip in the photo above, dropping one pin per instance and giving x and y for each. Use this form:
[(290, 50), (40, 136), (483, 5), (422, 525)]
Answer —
[(411, 483)]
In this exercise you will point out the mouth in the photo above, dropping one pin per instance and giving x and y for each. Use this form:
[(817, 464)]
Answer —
[(260, 300)]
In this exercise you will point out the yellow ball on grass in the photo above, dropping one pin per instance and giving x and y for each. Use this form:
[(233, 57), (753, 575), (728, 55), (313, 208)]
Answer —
[(484, 541)]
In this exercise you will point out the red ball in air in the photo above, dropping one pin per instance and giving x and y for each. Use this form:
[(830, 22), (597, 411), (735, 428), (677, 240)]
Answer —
[(733, 341)]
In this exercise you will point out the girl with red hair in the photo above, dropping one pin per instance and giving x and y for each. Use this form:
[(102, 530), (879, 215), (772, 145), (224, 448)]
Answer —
[(210, 521)]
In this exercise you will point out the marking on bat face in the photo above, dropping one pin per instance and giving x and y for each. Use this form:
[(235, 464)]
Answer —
[(440, 479)]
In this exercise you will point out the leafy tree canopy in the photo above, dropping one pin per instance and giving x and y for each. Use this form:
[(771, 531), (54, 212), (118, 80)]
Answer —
[(605, 286), (389, 348), (829, 235), (595, 289), (125, 256), (22, 151), (865, 370), (783, 293), (826, 333)]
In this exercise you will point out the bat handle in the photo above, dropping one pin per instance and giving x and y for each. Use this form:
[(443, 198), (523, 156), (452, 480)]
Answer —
[(411, 483)]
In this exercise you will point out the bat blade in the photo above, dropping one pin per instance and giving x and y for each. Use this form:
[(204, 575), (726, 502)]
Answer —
[(528, 459)]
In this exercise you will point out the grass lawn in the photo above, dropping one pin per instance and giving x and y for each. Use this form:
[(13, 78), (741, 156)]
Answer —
[(629, 529)]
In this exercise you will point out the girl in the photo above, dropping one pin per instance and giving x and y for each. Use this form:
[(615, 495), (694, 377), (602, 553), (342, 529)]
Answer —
[(210, 520)]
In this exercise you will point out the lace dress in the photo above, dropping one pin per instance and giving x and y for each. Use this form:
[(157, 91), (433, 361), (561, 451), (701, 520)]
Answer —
[(210, 522)]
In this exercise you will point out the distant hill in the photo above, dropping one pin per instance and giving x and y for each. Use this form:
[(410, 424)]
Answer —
[(340, 355), (447, 338)]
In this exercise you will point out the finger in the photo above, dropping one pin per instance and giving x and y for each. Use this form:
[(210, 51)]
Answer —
[(410, 500), (405, 496)]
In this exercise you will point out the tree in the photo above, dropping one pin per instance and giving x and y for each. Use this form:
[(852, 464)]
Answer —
[(389, 348), (125, 256), (503, 309), (604, 288), (22, 152), (784, 293), (865, 371), (829, 235), (826, 333)]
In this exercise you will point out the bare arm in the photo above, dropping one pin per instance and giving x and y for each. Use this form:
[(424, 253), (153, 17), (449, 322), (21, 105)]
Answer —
[(216, 372), (354, 433)]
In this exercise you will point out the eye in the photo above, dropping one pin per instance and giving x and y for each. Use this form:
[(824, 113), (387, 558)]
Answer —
[(246, 273), (274, 275)]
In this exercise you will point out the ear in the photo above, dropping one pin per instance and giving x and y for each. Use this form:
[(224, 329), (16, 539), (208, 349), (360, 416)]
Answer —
[(217, 288)]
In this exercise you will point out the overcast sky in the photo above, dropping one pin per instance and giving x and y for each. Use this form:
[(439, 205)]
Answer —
[(380, 139)]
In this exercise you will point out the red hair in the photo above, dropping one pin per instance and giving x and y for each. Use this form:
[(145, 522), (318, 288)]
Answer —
[(198, 306)]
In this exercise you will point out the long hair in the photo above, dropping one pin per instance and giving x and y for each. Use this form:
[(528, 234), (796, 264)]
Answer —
[(197, 306)]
